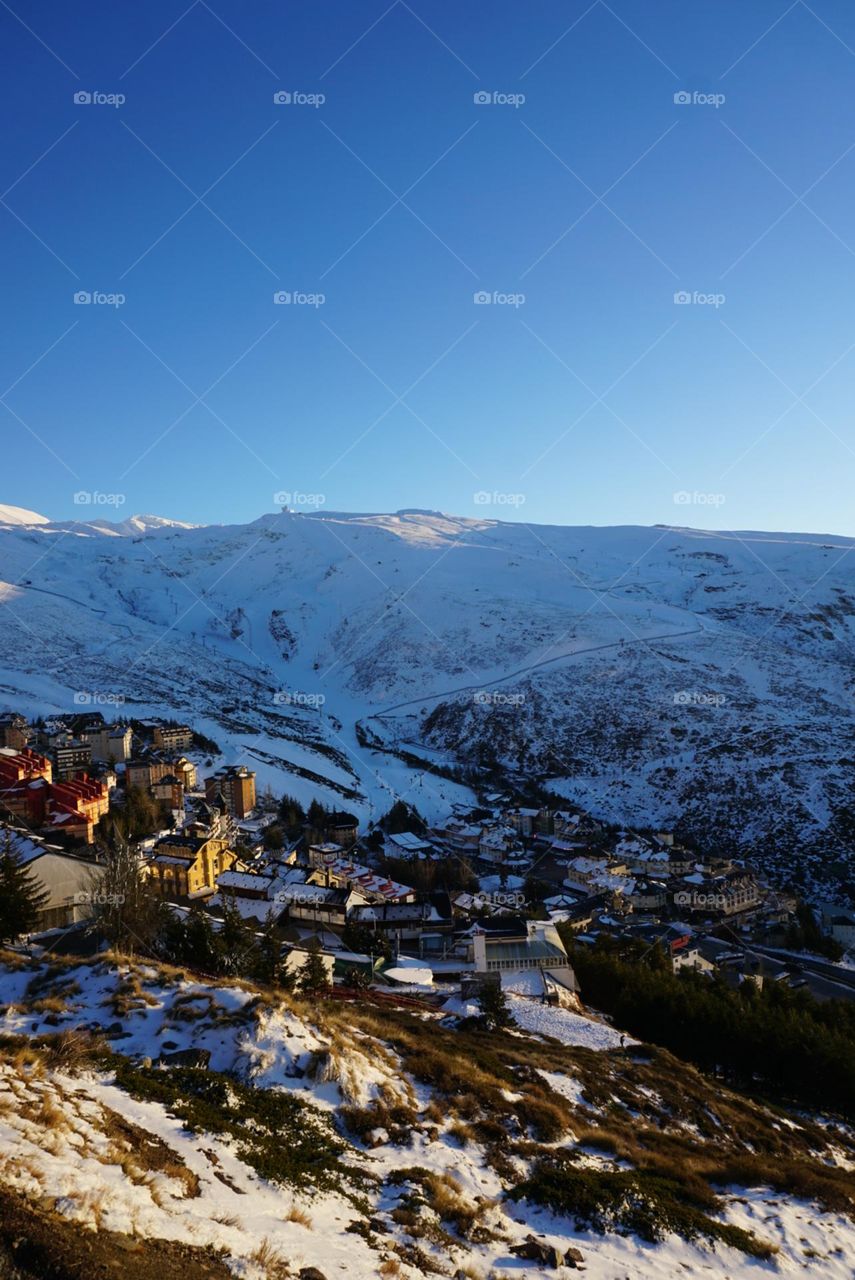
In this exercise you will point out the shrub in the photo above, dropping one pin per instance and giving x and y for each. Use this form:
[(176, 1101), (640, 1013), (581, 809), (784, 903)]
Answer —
[(629, 1202)]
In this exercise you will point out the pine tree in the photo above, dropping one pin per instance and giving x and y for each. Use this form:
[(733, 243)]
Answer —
[(312, 979), (127, 912), (21, 897), (495, 1010), (235, 941)]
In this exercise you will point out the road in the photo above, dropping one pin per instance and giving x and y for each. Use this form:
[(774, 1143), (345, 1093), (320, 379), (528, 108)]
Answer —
[(534, 666)]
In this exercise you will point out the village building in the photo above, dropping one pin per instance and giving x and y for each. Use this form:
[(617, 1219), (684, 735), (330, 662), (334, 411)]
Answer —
[(170, 791), (460, 837), (146, 772), (525, 954), (73, 807), (406, 844), (109, 743), (344, 874), (69, 882), (15, 731), (72, 756), (188, 866), (173, 737), (499, 844), (235, 785), (524, 821), (420, 928), (341, 829), (588, 875)]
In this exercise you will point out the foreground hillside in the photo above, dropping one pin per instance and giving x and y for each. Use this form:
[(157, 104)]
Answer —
[(355, 1139), (659, 677)]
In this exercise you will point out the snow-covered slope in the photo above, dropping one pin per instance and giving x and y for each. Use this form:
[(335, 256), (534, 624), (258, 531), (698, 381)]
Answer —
[(366, 1141), (655, 675), (20, 515)]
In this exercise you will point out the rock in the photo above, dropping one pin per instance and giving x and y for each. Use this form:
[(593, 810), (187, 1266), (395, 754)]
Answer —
[(311, 1273), (186, 1058), (573, 1257), (114, 1029), (535, 1250), (170, 1044)]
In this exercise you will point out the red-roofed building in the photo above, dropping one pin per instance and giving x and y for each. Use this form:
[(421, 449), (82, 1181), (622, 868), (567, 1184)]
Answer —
[(74, 807)]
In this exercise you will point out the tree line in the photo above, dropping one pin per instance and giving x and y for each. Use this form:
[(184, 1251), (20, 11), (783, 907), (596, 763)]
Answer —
[(771, 1040)]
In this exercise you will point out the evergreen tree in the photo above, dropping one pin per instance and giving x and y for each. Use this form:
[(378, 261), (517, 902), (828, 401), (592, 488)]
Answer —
[(364, 940), (403, 817), (123, 905), (292, 816), (235, 941), (495, 1010), (312, 979), (21, 896)]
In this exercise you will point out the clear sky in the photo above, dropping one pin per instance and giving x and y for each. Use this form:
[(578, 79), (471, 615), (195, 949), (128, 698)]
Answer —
[(582, 392)]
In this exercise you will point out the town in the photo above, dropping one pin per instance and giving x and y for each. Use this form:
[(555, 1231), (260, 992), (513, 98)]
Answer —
[(492, 892)]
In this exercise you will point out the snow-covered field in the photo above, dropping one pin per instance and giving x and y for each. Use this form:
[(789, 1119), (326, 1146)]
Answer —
[(653, 675), (65, 1140)]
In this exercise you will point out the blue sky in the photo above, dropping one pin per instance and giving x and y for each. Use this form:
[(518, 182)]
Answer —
[(581, 393)]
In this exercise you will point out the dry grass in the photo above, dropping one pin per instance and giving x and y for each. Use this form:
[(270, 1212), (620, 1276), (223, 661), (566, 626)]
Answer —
[(299, 1215), (389, 1267), (227, 1220), (270, 1260)]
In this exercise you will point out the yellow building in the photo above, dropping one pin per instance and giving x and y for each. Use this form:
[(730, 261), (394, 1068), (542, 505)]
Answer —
[(188, 866)]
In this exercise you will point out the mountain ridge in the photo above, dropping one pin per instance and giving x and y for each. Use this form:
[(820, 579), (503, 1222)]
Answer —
[(659, 676)]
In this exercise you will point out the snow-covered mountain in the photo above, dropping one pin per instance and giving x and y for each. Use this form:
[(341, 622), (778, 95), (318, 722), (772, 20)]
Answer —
[(656, 676)]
